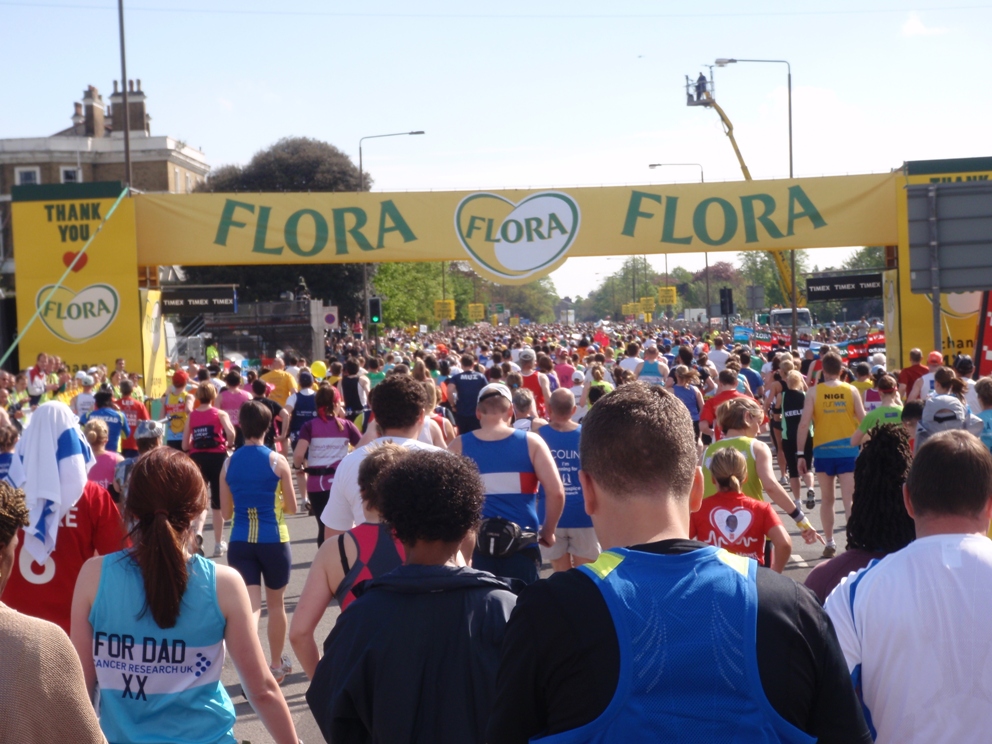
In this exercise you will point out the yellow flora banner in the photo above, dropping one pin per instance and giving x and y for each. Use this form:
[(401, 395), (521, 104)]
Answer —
[(153, 343), (93, 316), (514, 237)]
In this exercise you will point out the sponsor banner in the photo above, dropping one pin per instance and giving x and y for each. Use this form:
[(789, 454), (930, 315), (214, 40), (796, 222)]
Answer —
[(153, 344), (851, 286), (199, 299), (93, 316), (742, 334), (515, 236)]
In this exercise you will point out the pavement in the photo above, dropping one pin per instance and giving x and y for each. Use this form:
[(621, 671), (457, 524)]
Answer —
[(303, 528)]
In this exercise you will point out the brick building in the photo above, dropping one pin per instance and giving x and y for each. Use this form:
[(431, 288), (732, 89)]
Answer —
[(92, 149)]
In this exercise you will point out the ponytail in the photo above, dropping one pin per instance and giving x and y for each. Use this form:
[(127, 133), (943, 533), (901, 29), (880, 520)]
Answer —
[(166, 492), (729, 469)]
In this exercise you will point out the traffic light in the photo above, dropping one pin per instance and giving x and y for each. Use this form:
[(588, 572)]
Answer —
[(375, 309), (726, 301)]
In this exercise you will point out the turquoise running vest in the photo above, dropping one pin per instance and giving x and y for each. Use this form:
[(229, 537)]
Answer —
[(160, 685), (686, 626)]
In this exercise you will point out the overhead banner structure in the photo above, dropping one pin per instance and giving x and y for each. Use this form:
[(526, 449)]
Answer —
[(94, 316), (514, 237)]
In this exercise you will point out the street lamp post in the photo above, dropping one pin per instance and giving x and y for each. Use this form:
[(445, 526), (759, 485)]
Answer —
[(723, 62), (361, 187), (706, 255)]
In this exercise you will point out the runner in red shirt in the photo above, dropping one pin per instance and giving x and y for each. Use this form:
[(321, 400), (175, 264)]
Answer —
[(93, 526), (915, 370), (134, 411), (726, 390), (735, 522)]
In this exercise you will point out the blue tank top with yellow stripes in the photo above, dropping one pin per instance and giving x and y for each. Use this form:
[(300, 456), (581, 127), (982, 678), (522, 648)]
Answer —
[(258, 515), (686, 674)]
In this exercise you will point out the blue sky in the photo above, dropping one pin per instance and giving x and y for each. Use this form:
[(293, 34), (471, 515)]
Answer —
[(522, 94)]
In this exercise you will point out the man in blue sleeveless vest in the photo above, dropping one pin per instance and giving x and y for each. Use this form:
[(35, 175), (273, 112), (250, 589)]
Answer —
[(463, 392), (575, 538), (512, 463), (669, 639)]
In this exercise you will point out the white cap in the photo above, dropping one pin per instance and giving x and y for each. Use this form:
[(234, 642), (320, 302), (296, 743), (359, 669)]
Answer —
[(493, 389)]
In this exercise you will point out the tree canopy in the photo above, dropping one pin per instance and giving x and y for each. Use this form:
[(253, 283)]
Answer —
[(291, 164)]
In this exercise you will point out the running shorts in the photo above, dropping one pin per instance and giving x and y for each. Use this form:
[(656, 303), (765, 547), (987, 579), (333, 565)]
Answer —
[(255, 561)]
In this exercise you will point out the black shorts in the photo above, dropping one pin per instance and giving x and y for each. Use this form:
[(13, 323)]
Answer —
[(255, 561), (695, 429), (210, 465), (791, 461), (176, 444)]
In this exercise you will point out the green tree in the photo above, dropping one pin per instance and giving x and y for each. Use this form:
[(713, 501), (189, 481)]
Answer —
[(290, 165)]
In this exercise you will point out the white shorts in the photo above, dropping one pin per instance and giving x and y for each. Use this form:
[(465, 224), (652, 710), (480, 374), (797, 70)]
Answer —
[(578, 541)]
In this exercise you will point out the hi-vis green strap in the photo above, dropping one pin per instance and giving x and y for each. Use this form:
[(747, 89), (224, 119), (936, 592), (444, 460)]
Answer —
[(79, 255)]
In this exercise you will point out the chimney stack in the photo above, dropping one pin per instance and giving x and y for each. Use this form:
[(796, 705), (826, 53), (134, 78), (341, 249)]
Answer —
[(93, 113), (136, 108)]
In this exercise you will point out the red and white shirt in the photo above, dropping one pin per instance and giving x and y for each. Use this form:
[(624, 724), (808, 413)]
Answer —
[(735, 522)]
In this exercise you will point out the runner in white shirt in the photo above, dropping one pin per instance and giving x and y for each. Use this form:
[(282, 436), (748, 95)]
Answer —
[(630, 362), (914, 627), (718, 355), (398, 407)]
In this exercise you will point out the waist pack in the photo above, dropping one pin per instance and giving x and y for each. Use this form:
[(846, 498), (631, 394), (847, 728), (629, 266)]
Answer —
[(318, 470), (501, 538)]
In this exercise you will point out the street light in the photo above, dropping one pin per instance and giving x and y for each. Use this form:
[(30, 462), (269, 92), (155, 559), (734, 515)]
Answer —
[(723, 62), (706, 255), (361, 187)]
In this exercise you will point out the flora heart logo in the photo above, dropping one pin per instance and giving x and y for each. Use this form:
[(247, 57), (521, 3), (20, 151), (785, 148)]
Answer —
[(731, 524), (77, 316), (515, 242)]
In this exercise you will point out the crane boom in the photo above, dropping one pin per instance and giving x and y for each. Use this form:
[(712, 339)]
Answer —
[(783, 271)]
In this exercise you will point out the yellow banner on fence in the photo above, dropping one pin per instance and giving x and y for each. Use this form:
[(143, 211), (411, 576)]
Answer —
[(93, 316), (514, 237), (476, 311)]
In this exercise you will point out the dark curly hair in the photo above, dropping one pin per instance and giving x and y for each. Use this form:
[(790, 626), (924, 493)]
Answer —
[(432, 496), (13, 512), (879, 522), (397, 402)]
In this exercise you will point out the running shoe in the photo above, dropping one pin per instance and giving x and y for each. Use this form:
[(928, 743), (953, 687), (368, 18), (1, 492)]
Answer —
[(810, 499), (285, 667), (784, 480), (829, 551), (220, 549)]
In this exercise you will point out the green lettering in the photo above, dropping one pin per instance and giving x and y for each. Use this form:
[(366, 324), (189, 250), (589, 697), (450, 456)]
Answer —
[(89, 310), (49, 208), (261, 230), (227, 220), (95, 211), (765, 218), (533, 227), (84, 211), (668, 228), (342, 231), (319, 229), (73, 215), (396, 223), (810, 212), (555, 224), (48, 308), (60, 212), (729, 221), (102, 307), (471, 225), (504, 231), (634, 211), (490, 238)]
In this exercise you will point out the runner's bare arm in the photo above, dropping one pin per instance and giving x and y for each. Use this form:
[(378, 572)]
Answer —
[(554, 489)]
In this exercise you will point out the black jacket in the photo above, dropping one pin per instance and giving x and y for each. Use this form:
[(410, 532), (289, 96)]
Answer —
[(414, 659)]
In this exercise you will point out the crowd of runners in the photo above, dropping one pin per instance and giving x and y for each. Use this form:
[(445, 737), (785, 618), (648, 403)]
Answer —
[(662, 475)]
